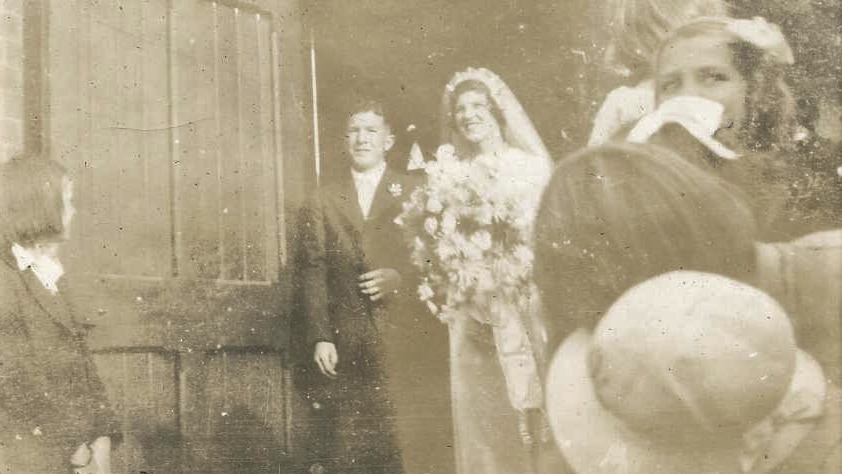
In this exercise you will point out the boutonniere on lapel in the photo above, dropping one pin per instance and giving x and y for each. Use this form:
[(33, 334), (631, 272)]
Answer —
[(396, 189)]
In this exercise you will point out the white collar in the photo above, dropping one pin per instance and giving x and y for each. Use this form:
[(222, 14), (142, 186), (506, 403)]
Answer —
[(372, 175), (43, 262)]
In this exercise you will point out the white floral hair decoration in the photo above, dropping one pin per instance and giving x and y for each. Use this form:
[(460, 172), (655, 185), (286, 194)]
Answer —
[(765, 36), (496, 87), (483, 75)]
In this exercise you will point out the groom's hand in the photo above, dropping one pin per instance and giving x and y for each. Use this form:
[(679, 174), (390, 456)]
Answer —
[(326, 358), (379, 283)]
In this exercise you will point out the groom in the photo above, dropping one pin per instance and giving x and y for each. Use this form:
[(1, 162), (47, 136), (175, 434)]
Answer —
[(355, 267)]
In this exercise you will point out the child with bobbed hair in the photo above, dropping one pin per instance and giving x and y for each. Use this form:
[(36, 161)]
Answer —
[(56, 416)]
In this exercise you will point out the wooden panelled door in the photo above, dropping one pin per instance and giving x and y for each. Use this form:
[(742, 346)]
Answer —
[(181, 124)]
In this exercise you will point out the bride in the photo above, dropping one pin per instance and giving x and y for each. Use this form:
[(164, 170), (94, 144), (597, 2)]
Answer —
[(471, 229)]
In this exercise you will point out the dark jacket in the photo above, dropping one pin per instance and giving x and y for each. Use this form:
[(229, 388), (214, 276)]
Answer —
[(51, 398), (338, 245)]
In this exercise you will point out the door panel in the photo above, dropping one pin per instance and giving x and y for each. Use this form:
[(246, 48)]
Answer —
[(196, 140), (181, 123), (233, 411), (124, 203), (227, 207), (142, 388)]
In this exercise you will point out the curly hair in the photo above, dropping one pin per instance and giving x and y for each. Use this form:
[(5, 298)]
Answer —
[(772, 111), (771, 120)]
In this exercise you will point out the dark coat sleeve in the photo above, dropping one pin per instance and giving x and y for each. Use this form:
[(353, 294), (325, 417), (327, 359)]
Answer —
[(47, 377), (20, 395), (313, 273)]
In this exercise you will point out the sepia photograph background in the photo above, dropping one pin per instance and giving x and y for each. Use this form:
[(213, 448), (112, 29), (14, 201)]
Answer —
[(194, 130)]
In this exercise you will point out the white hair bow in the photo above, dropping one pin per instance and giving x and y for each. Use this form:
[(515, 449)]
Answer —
[(765, 36)]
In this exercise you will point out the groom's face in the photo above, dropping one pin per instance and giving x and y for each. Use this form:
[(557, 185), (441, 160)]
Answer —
[(368, 139)]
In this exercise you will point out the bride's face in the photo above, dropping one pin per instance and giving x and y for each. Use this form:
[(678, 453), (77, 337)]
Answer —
[(473, 117)]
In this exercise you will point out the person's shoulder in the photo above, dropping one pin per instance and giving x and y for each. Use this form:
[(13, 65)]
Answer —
[(9, 279), (7, 270), (313, 203), (518, 157), (327, 187), (334, 182)]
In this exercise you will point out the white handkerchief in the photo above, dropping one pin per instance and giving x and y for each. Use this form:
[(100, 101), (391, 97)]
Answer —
[(699, 116)]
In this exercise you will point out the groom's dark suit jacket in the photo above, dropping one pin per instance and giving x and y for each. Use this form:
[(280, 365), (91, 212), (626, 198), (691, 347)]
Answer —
[(337, 246), (392, 354)]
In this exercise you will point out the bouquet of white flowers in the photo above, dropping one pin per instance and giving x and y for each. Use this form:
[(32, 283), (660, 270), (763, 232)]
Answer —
[(470, 229)]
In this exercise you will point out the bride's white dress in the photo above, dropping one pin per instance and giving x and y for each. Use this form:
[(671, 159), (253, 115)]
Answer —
[(485, 424), (490, 367), (494, 359)]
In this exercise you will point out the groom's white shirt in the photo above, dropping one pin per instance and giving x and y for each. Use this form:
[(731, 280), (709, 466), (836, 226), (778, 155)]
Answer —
[(366, 183)]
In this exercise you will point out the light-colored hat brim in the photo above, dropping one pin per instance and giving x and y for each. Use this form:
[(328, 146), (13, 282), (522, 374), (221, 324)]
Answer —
[(594, 441)]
